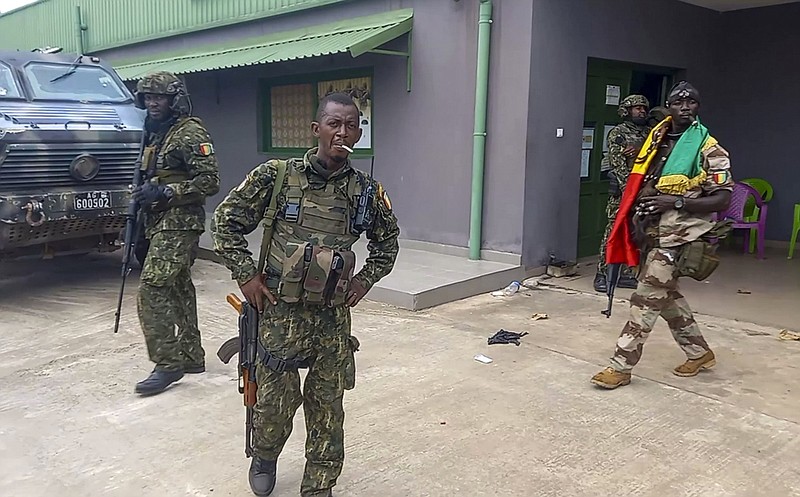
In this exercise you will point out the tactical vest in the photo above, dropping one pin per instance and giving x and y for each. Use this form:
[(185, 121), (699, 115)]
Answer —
[(311, 243)]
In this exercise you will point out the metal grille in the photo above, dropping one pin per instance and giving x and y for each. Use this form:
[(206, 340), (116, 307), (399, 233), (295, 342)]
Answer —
[(60, 114), (43, 166), (22, 234)]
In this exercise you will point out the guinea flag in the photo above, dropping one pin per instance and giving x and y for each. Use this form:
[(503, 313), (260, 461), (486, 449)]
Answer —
[(620, 248)]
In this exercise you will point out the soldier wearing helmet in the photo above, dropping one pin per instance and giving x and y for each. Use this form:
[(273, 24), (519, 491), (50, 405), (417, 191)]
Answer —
[(181, 171), (624, 141), (656, 115)]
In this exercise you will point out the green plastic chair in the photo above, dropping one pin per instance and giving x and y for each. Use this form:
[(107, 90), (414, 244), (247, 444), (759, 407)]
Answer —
[(795, 229), (764, 188)]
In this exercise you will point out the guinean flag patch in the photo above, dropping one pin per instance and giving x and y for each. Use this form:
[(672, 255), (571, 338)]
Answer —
[(205, 149)]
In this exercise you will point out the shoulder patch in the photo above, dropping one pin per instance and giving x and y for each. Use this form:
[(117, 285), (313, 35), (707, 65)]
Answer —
[(720, 178), (205, 149), (384, 197)]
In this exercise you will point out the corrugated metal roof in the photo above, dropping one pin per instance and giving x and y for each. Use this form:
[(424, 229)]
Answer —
[(357, 36), (113, 23)]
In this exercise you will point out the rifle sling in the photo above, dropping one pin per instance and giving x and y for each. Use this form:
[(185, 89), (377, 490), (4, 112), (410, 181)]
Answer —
[(269, 215), (280, 365)]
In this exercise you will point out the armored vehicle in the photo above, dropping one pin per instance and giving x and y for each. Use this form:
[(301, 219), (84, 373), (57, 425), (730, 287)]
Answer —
[(69, 138)]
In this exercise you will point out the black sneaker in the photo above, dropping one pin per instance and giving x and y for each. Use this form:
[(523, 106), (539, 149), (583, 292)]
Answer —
[(157, 382), (262, 476), (600, 283)]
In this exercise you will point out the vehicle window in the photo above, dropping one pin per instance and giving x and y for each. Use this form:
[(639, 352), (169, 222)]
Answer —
[(88, 83), (8, 87)]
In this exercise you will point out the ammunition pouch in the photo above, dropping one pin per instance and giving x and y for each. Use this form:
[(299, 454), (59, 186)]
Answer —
[(316, 275), (697, 260), (350, 364)]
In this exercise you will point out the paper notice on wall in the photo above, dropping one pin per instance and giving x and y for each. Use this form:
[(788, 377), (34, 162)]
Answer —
[(588, 139), (612, 94), (585, 156)]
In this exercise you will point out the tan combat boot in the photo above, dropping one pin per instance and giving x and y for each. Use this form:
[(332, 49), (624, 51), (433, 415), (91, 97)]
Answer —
[(693, 366), (610, 378)]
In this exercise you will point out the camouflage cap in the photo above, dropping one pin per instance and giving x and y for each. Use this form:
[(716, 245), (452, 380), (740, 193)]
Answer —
[(632, 101)]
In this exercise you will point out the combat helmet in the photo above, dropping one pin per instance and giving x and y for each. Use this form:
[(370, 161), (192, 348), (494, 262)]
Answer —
[(631, 101), (164, 83)]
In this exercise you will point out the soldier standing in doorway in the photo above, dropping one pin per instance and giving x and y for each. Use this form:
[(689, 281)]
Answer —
[(181, 171), (303, 298), (624, 141)]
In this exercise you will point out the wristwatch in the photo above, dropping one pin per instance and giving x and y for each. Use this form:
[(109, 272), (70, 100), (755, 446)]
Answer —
[(679, 203)]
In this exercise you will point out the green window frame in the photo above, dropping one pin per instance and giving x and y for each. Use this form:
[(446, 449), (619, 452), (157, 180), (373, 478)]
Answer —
[(288, 105)]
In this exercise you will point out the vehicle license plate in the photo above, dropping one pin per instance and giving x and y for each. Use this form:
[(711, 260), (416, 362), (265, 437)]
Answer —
[(91, 201)]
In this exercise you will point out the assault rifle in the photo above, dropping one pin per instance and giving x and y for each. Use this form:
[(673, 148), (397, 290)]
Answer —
[(132, 227), (246, 345), (363, 217)]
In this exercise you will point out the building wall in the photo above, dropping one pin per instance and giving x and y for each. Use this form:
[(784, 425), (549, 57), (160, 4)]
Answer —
[(759, 107), (423, 139), (565, 33)]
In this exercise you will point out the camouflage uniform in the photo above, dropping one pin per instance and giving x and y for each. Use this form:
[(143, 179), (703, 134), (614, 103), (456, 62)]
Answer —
[(302, 331), (620, 137), (184, 161), (658, 293)]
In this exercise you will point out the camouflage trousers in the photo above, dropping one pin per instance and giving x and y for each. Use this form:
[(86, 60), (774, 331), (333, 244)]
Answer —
[(166, 302), (321, 335), (612, 207), (658, 295)]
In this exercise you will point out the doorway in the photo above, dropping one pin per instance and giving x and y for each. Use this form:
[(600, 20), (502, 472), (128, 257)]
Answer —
[(607, 83)]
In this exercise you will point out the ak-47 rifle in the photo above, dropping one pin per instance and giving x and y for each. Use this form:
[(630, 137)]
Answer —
[(132, 227), (246, 345)]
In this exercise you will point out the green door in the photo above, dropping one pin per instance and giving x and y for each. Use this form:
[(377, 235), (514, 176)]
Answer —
[(607, 84)]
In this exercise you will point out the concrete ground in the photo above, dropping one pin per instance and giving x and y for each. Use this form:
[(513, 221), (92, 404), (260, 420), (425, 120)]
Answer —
[(425, 418)]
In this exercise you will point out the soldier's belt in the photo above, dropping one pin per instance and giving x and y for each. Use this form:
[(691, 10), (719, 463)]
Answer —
[(316, 275)]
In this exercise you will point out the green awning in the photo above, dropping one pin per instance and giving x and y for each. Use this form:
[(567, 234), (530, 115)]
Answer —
[(357, 36)]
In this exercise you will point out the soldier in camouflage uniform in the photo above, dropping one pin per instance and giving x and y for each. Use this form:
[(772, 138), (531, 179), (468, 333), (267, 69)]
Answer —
[(181, 172), (656, 115), (304, 304), (664, 225), (624, 141)]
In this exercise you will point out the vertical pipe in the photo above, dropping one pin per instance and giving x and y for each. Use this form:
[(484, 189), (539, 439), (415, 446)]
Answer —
[(479, 134), (79, 29)]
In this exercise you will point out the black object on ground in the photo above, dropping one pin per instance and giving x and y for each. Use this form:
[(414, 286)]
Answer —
[(504, 336)]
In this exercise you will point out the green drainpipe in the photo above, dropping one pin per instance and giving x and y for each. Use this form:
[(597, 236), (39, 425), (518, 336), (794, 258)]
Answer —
[(479, 135), (79, 28)]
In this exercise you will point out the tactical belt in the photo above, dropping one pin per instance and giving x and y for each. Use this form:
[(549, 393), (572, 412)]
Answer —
[(280, 365)]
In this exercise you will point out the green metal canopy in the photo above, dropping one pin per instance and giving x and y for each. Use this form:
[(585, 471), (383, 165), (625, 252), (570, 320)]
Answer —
[(357, 36)]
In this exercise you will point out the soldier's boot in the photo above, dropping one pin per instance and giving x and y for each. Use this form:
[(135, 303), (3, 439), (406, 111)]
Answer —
[(693, 366), (321, 493), (158, 381), (262, 476), (627, 281), (610, 378), (600, 283)]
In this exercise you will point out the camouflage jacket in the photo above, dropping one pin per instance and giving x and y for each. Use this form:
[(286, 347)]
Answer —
[(185, 161), (244, 207), (678, 227), (632, 135)]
